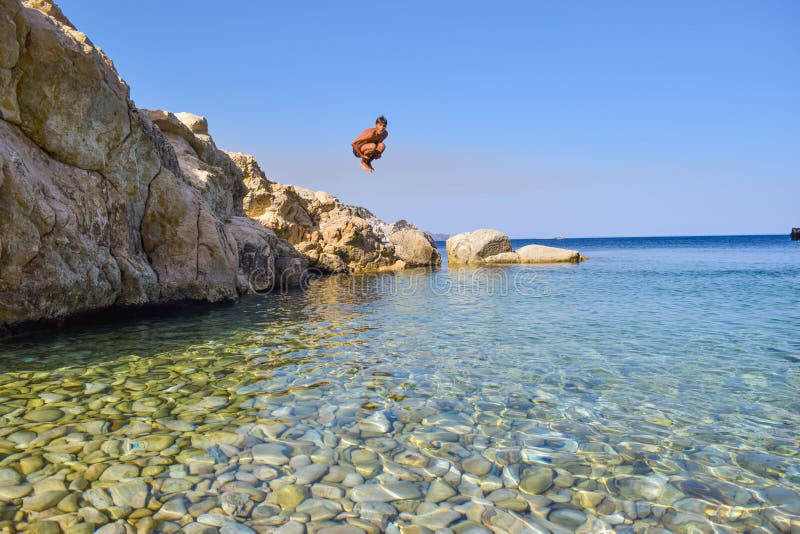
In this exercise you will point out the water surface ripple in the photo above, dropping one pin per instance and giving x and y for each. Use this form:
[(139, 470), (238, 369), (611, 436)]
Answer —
[(653, 388)]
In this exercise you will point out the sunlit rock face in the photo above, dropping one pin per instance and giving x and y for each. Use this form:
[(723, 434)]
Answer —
[(492, 246), (335, 237), (97, 207)]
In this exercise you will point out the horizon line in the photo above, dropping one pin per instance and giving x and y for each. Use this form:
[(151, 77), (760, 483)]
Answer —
[(788, 234)]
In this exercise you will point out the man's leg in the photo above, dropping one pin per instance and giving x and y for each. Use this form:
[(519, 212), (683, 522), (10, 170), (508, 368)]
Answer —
[(365, 165), (368, 149), (377, 152)]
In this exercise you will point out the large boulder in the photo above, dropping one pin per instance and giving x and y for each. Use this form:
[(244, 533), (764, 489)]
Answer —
[(543, 254), (97, 207), (333, 236), (474, 247), (494, 247), (415, 247)]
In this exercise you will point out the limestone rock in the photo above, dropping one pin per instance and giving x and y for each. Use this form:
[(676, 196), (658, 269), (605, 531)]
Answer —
[(494, 247), (473, 247), (333, 236), (105, 205), (415, 248), (543, 254), (503, 257), (208, 169), (100, 206)]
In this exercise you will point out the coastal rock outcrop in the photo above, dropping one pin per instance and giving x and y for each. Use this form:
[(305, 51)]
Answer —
[(334, 236), (494, 247), (105, 205), (545, 254), (473, 247), (97, 209), (415, 247)]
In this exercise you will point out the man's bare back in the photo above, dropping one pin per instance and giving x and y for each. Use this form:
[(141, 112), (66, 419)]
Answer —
[(369, 145)]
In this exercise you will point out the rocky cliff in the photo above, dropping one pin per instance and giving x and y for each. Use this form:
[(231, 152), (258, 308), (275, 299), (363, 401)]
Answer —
[(333, 236), (106, 205)]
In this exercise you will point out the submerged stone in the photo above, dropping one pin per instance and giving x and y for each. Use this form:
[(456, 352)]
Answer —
[(392, 491), (9, 477), (44, 415), (439, 491), (43, 501), (536, 480), (270, 454), (132, 493), (310, 473), (290, 496), (9, 493)]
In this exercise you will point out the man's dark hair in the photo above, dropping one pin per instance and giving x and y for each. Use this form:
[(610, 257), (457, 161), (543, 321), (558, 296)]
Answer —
[(381, 120)]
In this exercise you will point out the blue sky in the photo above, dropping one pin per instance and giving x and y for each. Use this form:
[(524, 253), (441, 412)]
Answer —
[(536, 118)]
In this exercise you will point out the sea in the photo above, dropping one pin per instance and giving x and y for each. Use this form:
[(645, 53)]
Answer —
[(654, 387)]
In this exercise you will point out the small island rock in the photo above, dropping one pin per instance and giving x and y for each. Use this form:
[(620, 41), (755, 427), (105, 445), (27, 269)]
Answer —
[(474, 247), (487, 246), (544, 254)]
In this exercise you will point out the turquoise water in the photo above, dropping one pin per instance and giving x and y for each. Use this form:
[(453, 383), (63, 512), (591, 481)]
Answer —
[(657, 384)]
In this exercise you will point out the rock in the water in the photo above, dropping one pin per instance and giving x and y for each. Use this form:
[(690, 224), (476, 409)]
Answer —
[(536, 480), (391, 491), (376, 423), (16, 491), (290, 496), (341, 529), (310, 473), (436, 519), (543, 254), (473, 247), (117, 527), (439, 491), (292, 527), (172, 510), (132, 493), (92, 515), (235, 528), (264, 511), (477, 465), (319, 509), (44, 415), (270, 454), (119, 472), (43, 501), (98, 498), (415, 247), (568, 517), (494, 247), (326, 491), (45, 527), (503, 257), (9, 477), (175, 485)]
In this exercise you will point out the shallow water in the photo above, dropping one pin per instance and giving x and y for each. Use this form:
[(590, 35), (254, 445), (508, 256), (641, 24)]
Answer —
[(656, 386)]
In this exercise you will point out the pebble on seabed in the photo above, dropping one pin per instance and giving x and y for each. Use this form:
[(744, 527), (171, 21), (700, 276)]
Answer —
[(96, 451)]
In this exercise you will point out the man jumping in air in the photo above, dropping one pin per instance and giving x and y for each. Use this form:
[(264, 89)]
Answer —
[(369, 145)]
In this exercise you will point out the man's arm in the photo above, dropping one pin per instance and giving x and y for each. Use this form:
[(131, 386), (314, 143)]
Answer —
[(365, 137)]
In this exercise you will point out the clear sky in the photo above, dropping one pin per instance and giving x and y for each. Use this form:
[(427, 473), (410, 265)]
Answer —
[(540, 118)]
